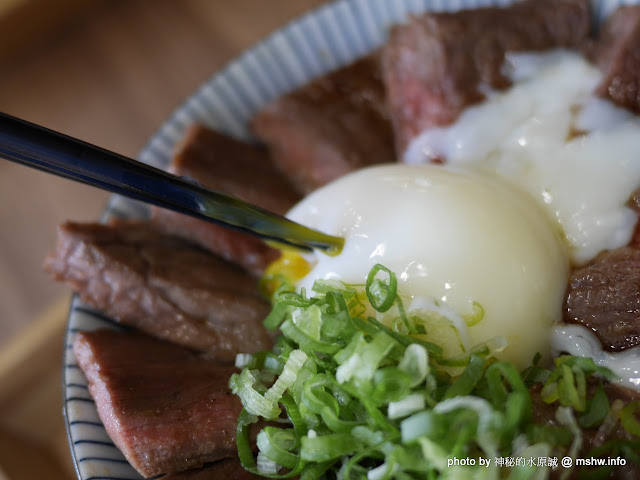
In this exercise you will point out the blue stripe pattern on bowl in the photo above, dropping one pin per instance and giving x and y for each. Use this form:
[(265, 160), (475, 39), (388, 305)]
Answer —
[(327, 38)]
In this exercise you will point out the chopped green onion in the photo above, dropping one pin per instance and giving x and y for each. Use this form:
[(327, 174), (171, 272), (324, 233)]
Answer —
[(266, 465), (565, 417), (487, 416), (287, 377), (567, 382), (406, 340), (304, 341), (380, 472), (294, 299), (372, 447), (433, 453), (316, 471), (254, 402), (408, 405), (415, 363), (597, 409), (534, 373), (243, 360), (325, 403), (368, 397), (365, 360), (276, 316), (327, 447), (390, 384), (471, 375), (629, 418), (381, 293), (276, 444), (421, 424), (356, 344), (476, 315)]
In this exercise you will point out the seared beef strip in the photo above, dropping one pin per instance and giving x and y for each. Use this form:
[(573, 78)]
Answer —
[(440, 63), (617, 53), (236, 168), (605, 297), (164, 407), (226, 469), (162, 285), (329, 127)]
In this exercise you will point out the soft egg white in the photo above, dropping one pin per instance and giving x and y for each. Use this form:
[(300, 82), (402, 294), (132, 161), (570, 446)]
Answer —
[(452, 235), (582, 342), (575, 153), (552, 137)]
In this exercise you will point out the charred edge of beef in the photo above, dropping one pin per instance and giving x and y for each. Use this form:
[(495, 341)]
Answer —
[(237, 168), (225, 469), (605, 297), (165, 408), (634, 204), (330, 126), (439, 63), (162, 285), (617, 54)]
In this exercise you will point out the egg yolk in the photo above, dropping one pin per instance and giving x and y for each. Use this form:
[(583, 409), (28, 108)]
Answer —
[(462, 238)]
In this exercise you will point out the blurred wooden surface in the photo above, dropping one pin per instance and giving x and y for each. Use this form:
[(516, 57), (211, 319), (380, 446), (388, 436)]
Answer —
[(109, 78), (33, 441), (108, 73), (26, 23)]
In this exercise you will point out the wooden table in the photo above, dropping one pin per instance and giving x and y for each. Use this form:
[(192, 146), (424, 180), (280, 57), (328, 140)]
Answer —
[(33, 440), (108, 72)]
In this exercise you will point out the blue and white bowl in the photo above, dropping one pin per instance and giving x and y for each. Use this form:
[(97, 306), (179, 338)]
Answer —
[(320, 41)]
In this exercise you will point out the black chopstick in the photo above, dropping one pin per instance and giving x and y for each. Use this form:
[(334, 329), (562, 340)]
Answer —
[(38, 147)]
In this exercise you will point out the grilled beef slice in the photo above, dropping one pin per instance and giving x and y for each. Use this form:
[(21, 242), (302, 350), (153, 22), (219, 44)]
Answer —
[(605, 297), (617, 54), (439, 63), (164, 407), (162, 285), (330, 126), (226, 469), (238, 169)]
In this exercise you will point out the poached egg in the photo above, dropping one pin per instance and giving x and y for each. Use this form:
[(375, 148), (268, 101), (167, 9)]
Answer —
[(459, 237)]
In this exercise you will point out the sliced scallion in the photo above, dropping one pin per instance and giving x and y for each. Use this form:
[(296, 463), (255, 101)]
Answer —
[(368, 397)]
